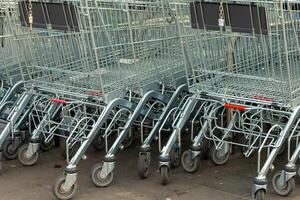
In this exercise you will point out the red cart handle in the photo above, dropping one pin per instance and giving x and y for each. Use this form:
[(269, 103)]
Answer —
[(235, 107), (59, 101)]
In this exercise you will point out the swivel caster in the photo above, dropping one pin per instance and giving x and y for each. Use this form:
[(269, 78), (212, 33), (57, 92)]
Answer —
[(46, 146), (260, 195), (23, 157), (59, 191), (217, 156), (283, 190), (96, 176), (164, 174), (10, 149), (189, 163), (143, 165), (175, 156)]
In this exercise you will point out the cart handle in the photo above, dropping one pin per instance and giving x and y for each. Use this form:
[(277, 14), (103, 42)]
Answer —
[(235, 107), (58, 101)]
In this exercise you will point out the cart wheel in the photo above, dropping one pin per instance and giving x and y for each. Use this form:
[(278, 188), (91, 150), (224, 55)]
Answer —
[(99, 143), (96, 178), (164, 174), (260, 195), (284, 190), (24, 160), (127, 142), (143, 166), (10, 151), (217, 158), (58, 190), (46, 146), (175, 156), (189, 164)]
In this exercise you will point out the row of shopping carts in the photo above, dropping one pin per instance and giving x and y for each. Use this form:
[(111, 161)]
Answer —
[(99, 73)]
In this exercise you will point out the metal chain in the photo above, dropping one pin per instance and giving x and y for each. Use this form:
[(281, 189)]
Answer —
[(221, 15), (30, 17)]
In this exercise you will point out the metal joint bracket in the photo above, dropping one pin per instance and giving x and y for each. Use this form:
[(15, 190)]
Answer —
[(164, 164), (70, 181), (107, 168), (32, 149), (256, 188)]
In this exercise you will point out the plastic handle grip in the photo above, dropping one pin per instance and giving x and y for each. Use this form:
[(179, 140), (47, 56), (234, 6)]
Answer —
[(59, 101), (235, 107)]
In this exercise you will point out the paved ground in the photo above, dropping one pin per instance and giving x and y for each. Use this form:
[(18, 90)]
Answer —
[(230, 182)]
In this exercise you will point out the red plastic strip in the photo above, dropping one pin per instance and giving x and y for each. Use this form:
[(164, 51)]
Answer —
[(94, 93), (59, 101), (263, 98), (235, 107)]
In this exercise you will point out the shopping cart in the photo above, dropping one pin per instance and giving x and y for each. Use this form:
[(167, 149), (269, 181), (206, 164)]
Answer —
[(245, 82), (9, 61), (107, 64)]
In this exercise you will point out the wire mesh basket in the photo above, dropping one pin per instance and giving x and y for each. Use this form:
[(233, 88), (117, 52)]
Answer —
[(251, 57), (102, 49)]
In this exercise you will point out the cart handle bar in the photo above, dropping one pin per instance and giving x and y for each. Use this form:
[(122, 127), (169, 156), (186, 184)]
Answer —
[(235, 107), (58, 101)]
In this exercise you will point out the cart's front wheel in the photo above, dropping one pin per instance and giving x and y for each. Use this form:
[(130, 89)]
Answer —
[(217, 157), (189, 163), (59, 191), (283, 190), (96, 176), (175, 156), (260, 195), (164, 174), (10, 150), (46, 146), (24, 159), (143, 166)]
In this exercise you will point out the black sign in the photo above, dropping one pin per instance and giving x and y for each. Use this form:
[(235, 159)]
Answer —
[(59, 16), (244, 18)]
